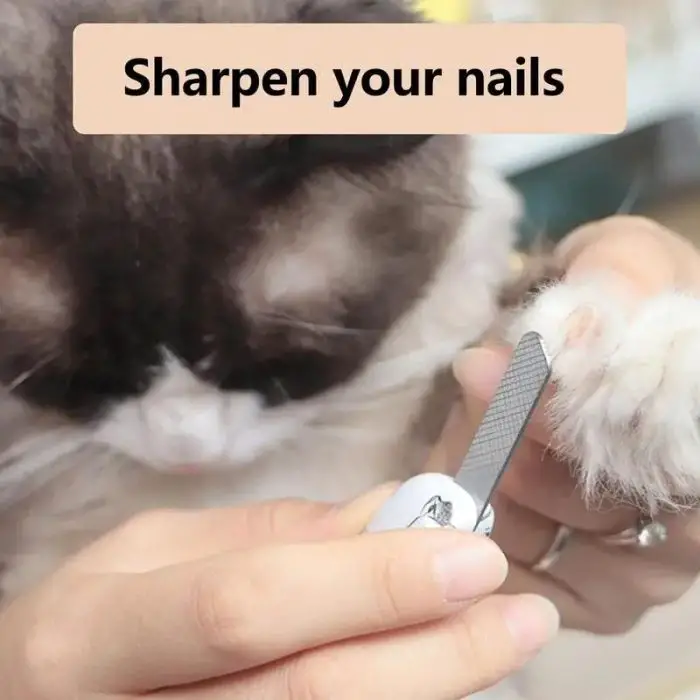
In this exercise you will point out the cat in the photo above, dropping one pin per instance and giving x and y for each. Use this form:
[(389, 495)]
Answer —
[(203, 321), (192, 321)]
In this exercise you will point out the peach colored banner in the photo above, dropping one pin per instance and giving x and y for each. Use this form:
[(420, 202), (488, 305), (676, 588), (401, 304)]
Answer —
[(348, 78)]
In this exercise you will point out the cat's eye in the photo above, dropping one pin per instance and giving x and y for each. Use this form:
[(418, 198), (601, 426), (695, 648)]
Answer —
[(294, 376)]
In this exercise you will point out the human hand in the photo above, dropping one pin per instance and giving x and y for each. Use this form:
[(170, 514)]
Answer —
[(277, 600), (596, 586)]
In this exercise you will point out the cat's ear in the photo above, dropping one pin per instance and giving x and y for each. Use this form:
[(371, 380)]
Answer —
[(22, 174)]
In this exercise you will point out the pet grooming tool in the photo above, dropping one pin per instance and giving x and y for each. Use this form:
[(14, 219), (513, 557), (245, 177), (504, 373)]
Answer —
[(463, 502)]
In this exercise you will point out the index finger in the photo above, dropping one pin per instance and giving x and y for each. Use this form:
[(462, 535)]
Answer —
[(479, 371), (212, 618), (157, 539)]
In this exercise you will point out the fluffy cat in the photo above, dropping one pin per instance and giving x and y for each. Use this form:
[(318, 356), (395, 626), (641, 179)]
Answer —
[(191, 322)]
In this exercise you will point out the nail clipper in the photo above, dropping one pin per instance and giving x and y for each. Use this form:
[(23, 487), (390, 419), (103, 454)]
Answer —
[(463, 502)]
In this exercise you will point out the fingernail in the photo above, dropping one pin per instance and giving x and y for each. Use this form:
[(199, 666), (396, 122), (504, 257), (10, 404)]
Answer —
[(532, 621), (471, 570)]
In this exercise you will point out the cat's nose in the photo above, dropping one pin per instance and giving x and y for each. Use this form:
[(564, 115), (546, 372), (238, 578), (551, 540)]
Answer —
[(211, 431), (189, 430)]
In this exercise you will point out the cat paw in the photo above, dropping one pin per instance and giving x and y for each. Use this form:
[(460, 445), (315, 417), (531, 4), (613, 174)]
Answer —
[(627, 406)]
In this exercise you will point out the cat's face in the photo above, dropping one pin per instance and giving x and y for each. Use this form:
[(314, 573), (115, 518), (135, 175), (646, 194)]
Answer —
[(194, 299)]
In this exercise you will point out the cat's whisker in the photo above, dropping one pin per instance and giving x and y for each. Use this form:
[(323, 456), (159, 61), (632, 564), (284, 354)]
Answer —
[(24, 463), (333, 426), (281, 388), (27, 374), (632, 196), (424, 197), (320, 328), (31, 443)]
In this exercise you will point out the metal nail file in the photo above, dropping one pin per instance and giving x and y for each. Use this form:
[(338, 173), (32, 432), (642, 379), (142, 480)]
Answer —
[(463, 502)]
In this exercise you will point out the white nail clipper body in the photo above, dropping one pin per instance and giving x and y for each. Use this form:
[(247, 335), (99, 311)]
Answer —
[(463, 502)]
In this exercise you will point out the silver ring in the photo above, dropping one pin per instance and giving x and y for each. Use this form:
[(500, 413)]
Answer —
[(550, 557), (645, 534)]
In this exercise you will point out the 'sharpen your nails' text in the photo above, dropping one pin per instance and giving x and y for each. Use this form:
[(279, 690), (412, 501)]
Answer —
[(526, 77)]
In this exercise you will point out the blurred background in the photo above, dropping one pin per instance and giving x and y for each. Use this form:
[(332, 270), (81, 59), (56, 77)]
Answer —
[(653, 169), (655, 165)]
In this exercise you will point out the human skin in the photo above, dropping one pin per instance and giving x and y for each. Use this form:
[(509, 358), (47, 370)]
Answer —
[(596, 588), (284, 600)]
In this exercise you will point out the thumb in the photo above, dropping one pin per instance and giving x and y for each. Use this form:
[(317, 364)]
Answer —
[(478, 371)]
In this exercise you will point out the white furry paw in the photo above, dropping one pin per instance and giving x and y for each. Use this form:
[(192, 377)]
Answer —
[(627, 405)]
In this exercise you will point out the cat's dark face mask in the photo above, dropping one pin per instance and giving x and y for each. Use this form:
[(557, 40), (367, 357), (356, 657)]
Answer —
[(269, 266)]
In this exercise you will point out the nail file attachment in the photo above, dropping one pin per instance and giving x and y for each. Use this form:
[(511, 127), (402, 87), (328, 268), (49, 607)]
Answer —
[(464, 502)]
